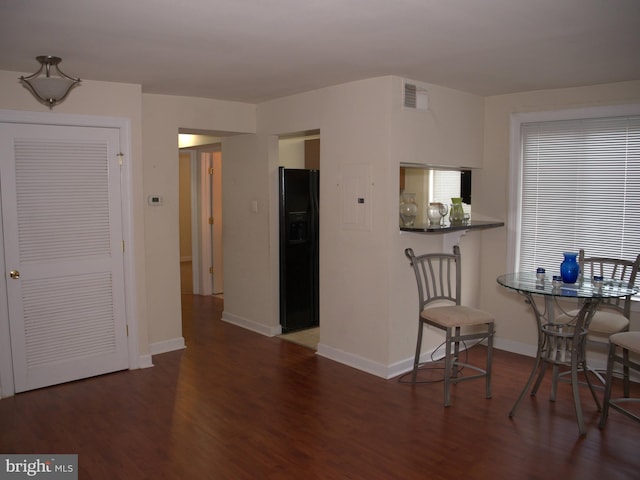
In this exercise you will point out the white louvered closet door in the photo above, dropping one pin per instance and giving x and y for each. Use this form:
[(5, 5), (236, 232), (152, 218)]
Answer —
[(61, 221)]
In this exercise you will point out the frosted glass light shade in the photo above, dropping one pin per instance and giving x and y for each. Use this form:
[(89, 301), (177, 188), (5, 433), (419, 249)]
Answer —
[(51, 88)]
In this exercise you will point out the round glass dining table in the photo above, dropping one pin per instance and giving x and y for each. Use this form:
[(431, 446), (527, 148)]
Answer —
[(562, 343)]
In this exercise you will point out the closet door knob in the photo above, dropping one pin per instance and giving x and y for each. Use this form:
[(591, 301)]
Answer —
[(15, 274)]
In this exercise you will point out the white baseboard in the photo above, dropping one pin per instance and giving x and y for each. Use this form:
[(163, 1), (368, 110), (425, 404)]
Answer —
[(352, 360), (406, 365), (375, 368), (596, 353), (166, 346), (145, 361), (515, 347), (267, 330)]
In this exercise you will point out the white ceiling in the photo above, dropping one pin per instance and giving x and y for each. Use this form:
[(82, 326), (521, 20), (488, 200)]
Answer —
[(256, 50)]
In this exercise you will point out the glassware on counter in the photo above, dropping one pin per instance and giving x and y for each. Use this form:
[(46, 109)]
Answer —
[(436, 211), (456, 214), (408, 209)]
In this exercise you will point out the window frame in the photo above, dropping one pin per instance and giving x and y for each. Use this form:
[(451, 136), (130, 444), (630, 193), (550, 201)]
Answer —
[(514, 212)]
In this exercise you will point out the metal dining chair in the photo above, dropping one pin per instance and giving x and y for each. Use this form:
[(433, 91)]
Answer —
[(438, 276), (625, 343), (613, 314)]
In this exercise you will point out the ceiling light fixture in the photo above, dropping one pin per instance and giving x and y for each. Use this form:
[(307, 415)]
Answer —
[(49, 89)]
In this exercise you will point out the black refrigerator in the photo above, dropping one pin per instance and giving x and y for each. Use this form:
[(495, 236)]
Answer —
[(299, 256)]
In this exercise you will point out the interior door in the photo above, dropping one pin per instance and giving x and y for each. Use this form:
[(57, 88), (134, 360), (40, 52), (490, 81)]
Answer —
[(61, 222), (205, 223), (216, 213)]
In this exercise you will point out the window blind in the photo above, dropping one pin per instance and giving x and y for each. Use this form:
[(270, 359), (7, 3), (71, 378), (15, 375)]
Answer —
[(446, 184), (580, 189)]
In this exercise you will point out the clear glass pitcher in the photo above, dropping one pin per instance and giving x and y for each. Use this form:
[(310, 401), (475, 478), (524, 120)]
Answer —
[(435, 212)]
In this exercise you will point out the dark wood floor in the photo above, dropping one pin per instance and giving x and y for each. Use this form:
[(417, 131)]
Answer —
[(238, 405)]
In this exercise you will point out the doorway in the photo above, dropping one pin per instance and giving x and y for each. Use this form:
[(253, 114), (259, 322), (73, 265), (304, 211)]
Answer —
[(201, 247), (299, 167)]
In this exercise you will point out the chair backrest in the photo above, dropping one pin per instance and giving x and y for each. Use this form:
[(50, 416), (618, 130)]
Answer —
[(437, 276), (613, 268)]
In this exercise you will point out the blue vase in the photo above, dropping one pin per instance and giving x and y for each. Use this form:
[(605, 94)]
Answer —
[(569, 268)]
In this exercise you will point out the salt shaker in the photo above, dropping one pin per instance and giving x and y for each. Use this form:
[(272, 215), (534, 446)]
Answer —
[(597, 281)]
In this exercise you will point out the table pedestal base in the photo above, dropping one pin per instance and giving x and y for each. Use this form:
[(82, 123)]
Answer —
[(560, 345)]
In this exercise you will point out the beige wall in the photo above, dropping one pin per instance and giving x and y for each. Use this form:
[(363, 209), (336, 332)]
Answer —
[(250, 281), (515, 328), (449, 134), (291, 152), (367, 290), (353, 120), (163, 116)]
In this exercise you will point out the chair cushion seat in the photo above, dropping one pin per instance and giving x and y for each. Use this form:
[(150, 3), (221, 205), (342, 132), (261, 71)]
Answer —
[(603, 323), (608, 322), (456, 316), (628, 340)]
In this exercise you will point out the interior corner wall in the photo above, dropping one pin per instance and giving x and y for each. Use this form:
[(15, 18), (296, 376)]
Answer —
[(163, 116), (353, 120), (251, 286), (449, 133), (367, 292)]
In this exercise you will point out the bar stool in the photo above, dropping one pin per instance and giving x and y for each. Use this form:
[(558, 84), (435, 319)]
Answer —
[(625, 342), (438, 276)]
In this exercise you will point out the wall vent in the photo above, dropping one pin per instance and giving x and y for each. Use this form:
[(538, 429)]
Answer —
[(414, 97)]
